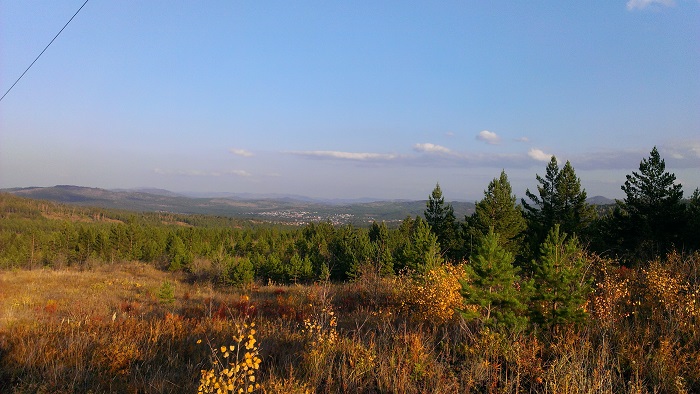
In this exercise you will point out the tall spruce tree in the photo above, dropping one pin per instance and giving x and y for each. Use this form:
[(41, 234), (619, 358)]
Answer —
[(489, 289), (441, 219), (650, 221), (560, 288), (498, 211), (575, 214), (542, 214), (560, 200)]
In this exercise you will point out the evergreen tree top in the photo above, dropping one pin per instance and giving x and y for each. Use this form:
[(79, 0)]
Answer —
[(560, 200), (652, 186)]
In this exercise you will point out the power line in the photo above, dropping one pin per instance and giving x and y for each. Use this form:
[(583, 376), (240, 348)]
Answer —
[(42, 52)]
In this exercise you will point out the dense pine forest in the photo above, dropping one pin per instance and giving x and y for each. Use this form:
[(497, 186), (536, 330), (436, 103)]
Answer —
[(545, 293)]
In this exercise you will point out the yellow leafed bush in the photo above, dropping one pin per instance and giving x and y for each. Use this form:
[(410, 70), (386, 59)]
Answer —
[(234, 367), (666, 290), (434, 296), (610, 300)]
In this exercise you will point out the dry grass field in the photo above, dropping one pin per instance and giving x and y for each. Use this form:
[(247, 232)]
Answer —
[(130, 328)]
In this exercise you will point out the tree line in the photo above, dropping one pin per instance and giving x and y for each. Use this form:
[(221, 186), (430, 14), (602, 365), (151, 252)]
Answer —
[(653, 219)]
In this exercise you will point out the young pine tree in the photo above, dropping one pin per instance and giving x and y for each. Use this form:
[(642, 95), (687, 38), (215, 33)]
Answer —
[(382, 258), (351, 249), (422, 252), (177, 254), (238, 271), (560, 288), (490, 291)]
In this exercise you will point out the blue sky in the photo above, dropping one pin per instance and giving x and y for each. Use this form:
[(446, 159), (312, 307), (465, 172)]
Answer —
[(347, 99)]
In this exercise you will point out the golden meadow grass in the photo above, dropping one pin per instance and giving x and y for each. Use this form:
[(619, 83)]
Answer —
[(107, 329)]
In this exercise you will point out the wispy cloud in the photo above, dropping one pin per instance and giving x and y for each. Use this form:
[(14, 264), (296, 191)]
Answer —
[(539, 155), (181, 172), (642, 4), (694, 147), (355, 156), (428, 155), (680, 156), (489, 137), (431, 148), (522, 139), (243, 173), (241, 152), (684, 154)]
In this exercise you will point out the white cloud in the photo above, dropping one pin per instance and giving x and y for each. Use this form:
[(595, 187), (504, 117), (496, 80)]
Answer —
[(450, 134), (539, 155), (489, 137), (430, 148), (522, 139), (241, 152), (642, 4), (358, 156)]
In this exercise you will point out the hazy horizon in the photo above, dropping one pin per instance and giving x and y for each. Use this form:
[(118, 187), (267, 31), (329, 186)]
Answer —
[(347, 100), (253, 196)]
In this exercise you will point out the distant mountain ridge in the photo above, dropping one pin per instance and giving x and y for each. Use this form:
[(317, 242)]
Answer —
[(151, 190), (600, 200), (275, 208)]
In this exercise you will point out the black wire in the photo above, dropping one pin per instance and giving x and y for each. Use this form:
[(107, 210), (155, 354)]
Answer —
[(42, 52)]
